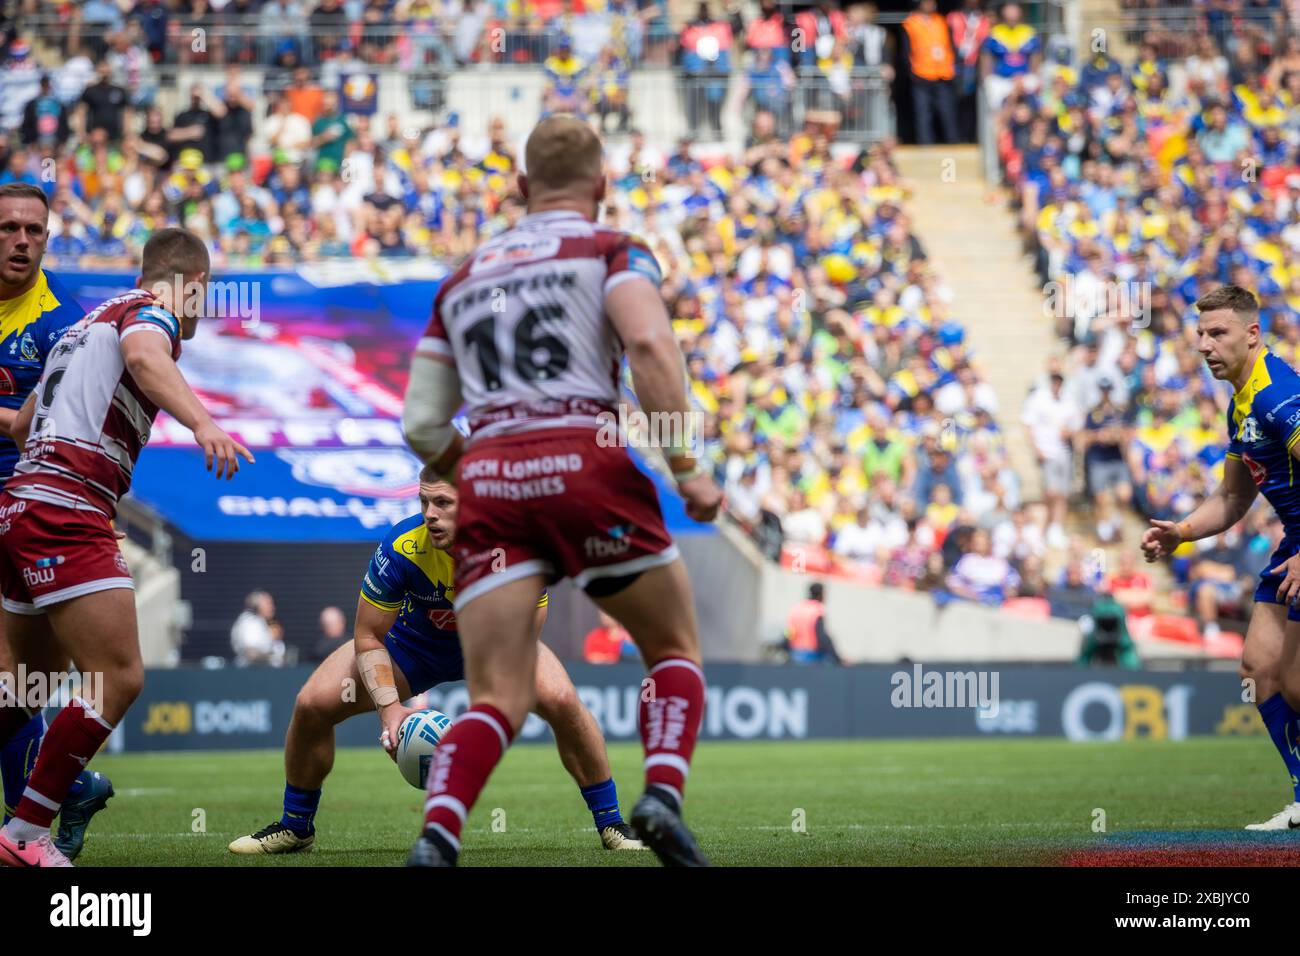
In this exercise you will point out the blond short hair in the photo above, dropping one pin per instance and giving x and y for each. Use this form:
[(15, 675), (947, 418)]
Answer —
[(561, 151)]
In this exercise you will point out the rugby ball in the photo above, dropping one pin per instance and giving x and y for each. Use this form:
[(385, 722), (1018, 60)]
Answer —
[(417, 738)]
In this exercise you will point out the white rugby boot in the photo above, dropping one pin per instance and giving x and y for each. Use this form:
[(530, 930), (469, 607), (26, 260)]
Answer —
[(1288, 818)]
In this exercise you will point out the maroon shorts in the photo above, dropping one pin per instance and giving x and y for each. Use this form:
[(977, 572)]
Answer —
[(557, 504), (50, 554)]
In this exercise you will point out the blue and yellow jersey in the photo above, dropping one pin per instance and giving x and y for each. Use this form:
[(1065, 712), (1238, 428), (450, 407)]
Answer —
[(1263, 427), (407, 574), (563, 70), (1011, 48), (30, 324)]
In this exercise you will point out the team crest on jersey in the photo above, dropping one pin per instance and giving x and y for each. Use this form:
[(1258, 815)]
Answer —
[(444, 619), (1249, 430), (517, 249), (371, 472), (1257, 471)]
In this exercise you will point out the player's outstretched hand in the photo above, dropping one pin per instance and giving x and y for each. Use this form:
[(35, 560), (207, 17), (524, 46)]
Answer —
[(391, 718), (220, 449), (702, 497), (1288, 589), (1160, 540)]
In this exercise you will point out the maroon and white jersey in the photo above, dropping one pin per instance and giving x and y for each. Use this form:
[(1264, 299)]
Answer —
[(523, 320), (91, 419)]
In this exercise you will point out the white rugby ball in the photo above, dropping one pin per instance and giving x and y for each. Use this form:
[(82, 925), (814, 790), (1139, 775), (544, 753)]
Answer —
[(417, 738)]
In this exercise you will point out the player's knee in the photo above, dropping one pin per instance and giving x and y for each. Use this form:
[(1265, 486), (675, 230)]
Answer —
[(314, 706), (556, 703), (1263, 682), (1246, 670)]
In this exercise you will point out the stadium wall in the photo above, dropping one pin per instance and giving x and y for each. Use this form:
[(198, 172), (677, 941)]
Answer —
[(882, 624), (478, 93), (725, 580), (741, 603), (304, 580), (250, 708)]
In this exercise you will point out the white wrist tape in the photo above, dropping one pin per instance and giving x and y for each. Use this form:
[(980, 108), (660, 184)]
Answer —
[(377, 673)]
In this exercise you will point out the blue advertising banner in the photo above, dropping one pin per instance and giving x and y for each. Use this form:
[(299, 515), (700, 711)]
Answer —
[(308, 369), (234, 709)]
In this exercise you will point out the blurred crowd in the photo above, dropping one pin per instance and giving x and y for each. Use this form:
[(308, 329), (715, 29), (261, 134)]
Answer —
[(845, 412), (409, 34), (287, 171), (1140, 186)]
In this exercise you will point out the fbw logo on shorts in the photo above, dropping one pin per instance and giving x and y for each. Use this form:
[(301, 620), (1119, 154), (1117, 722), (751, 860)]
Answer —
[(619, 540), (42, 572)]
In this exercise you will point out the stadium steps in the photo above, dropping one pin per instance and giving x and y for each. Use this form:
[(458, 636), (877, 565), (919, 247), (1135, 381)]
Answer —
[(972, 240), (974, 246)]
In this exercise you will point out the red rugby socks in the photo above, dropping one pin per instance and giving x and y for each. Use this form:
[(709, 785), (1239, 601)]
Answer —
[(672, 709), (465, 758)]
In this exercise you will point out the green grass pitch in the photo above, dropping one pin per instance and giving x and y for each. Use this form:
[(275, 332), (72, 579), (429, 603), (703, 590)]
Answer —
[(868, 802)]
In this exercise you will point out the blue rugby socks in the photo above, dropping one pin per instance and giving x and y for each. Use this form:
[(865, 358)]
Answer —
[(17, 758), (602, 801), (1283, 725), (300, 809)]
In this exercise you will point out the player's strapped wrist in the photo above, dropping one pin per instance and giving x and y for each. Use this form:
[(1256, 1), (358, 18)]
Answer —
[(1184, 531), (376, 669)]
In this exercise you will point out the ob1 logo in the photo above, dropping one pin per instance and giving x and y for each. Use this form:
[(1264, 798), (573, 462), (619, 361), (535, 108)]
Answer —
[(1101, 711)]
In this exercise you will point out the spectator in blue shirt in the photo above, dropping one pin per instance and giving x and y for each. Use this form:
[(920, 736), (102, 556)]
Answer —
[(770, 82), (18, 170), (1224, 139)]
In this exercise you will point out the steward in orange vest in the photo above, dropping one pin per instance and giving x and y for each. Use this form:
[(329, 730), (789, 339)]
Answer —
[(805, 631)]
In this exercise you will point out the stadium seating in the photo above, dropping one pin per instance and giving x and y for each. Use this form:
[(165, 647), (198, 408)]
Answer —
[(839, 381)]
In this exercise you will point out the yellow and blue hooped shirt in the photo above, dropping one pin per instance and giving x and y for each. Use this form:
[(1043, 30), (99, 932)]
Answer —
[(30, 324)]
